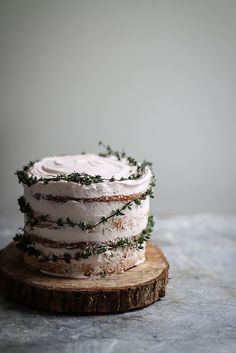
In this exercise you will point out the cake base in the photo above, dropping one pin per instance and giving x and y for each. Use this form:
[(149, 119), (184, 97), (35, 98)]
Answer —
[(134, 289)]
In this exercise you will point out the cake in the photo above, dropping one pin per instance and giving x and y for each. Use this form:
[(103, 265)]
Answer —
[(85, 215)]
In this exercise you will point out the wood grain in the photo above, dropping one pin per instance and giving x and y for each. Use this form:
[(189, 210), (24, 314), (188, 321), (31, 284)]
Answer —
[(134, 289)]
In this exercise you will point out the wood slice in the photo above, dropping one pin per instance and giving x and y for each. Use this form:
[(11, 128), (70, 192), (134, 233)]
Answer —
[(133, 289)]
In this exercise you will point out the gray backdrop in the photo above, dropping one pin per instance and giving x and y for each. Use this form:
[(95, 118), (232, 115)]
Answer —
[(155, 77)]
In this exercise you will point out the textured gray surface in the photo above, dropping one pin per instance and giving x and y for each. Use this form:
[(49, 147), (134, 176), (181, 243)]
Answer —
[(198, 313)]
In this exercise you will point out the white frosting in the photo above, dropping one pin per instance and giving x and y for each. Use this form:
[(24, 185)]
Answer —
[(131, 223), (133, 220), (102, 233), (89, 212), (91, 164)]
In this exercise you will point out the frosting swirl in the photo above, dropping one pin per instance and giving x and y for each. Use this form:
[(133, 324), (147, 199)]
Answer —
[(91, 164)]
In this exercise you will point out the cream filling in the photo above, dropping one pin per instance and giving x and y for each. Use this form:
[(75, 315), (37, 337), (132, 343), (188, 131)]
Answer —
[(90, 212), (131, 223), (48, 251), (102, 233)]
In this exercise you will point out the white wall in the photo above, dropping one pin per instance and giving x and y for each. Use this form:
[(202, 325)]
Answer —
[(155, 77)]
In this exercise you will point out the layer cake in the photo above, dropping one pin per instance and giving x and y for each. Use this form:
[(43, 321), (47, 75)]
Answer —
[(85, 215)]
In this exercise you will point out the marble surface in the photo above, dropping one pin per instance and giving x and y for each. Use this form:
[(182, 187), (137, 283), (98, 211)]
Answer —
[(198, 313)]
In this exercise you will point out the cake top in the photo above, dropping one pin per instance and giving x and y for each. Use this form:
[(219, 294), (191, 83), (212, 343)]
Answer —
[(86, 169), (91, 164)]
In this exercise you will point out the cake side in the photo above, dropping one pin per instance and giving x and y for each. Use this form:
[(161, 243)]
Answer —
[(77, 224)]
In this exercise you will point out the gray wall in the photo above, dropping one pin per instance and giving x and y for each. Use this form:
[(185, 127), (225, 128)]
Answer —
[(155, 77)]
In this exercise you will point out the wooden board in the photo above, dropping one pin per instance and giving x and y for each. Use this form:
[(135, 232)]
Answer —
[(134, 289)]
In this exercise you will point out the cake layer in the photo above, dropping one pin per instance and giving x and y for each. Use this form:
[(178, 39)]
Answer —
[(74, 190), (110, 262), (48, 251), (114, 228), (106, 167), (77, 211), (80, 246), (113, 198)]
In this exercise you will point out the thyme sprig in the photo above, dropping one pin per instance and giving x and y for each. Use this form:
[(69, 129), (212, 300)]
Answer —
[(25, 177), (34, 219), (25, 244), (140, 167)]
